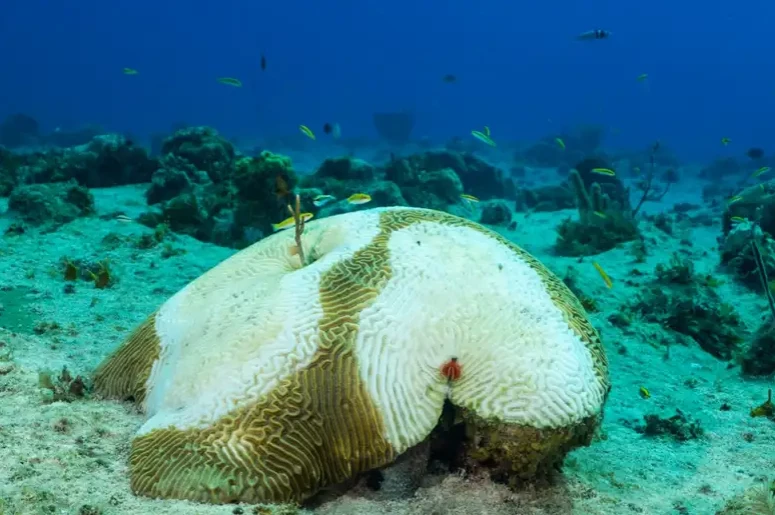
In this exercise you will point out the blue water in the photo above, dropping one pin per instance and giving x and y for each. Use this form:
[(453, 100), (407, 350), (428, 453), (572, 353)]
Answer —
[(519, 68)]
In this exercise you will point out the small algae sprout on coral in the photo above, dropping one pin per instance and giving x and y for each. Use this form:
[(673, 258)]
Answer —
[(299, 219), (371, 382)]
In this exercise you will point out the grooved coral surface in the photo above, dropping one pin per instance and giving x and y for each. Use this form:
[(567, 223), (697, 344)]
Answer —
[(270, 381)]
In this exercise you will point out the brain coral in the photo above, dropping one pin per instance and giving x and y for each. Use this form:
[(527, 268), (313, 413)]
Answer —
[(265, 381)]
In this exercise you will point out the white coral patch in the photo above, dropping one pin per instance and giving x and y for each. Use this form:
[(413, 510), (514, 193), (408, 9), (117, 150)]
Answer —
[(233, 333), (457, 292), (230, 336)]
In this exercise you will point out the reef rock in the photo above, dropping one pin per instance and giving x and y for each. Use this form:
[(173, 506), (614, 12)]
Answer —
[(58, 202), (262, 184), (326, 371), (107, 160), (478, 177), (346, 169), (496, 212), (204, 148)]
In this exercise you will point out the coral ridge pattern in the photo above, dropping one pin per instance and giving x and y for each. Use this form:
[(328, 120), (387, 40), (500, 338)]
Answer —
[(266, 381)]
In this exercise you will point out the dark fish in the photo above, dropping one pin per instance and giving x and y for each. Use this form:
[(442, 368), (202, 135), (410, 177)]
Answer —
[(755, 153), (594, 34), (333, 130), (449, 78), (263, 62)]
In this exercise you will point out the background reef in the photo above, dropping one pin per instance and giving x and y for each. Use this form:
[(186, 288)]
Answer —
[(672, 260)]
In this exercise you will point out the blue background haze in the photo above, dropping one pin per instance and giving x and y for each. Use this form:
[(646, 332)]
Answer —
[(519, 68)]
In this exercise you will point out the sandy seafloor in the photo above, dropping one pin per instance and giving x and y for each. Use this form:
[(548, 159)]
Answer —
[(59, 457)]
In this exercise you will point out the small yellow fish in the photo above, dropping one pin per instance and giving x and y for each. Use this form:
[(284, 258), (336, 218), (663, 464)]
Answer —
[(307, 132), (738, 219), (761, 171), (725, 141), (230, 81), (736, 198), (604, 171), (322, 200), (601, 214), (290, 222), (484, 138), (642, 77), (123, 218), (487, 131), (359, 198), (130, 71), (644, 392), (469, 198), (560, 142), (607, 280)]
